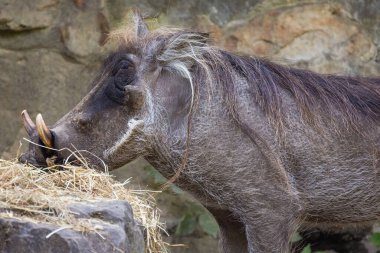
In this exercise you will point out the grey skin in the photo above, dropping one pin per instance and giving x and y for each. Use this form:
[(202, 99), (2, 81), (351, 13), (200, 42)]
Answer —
[(261, 176)]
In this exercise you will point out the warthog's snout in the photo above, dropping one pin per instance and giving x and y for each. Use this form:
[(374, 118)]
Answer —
[(64, 142)]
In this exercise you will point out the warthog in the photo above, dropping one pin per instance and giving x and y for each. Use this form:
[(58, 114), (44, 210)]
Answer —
[(268, 149)]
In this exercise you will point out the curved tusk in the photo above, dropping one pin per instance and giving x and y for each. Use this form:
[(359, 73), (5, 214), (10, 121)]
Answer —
[(29, 125), (43, 132)]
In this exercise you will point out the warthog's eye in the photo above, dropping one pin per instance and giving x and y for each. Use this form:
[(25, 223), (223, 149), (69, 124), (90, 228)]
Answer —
[(122, 75), (125, 73)]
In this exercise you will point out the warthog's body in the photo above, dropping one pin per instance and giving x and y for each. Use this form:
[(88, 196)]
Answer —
[(266, 149)]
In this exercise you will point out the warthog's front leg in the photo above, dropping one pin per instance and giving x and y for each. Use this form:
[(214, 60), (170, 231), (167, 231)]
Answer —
[(232, 232), (270, 232), (272, 235), (270, 224)]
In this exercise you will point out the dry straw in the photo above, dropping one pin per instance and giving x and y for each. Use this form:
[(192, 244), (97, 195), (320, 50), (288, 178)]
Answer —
[(43, 196)]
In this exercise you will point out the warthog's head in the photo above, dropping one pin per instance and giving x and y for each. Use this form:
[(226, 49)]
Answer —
[(144, 90)]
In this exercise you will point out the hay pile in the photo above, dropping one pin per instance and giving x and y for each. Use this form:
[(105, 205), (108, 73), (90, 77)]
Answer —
[(43, 195)]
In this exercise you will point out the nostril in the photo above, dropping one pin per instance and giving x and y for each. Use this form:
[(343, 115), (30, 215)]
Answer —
[(23, 158), (26, 158)]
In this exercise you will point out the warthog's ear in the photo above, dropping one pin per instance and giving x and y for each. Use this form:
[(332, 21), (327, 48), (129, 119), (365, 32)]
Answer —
[(140, 26), (184, 47)]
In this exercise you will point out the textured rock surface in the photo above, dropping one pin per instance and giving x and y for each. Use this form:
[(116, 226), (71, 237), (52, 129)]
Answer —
[(50, 51), (27, 15), (321, 37), (116, 231)]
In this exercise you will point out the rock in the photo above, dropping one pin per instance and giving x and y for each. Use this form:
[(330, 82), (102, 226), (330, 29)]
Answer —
[(41, 81), (114, 212), (321, 37), (82, 33), (316, 36), (26, 15), (116, 231), (367, 13)]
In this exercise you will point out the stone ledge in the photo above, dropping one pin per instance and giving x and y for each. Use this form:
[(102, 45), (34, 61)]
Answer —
[(115, 231)]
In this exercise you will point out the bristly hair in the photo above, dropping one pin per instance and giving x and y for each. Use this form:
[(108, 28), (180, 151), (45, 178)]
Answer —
[(341, 103)]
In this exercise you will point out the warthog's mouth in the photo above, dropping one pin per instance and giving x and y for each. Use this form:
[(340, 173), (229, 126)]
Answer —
[(26, 158), (52, 161)]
